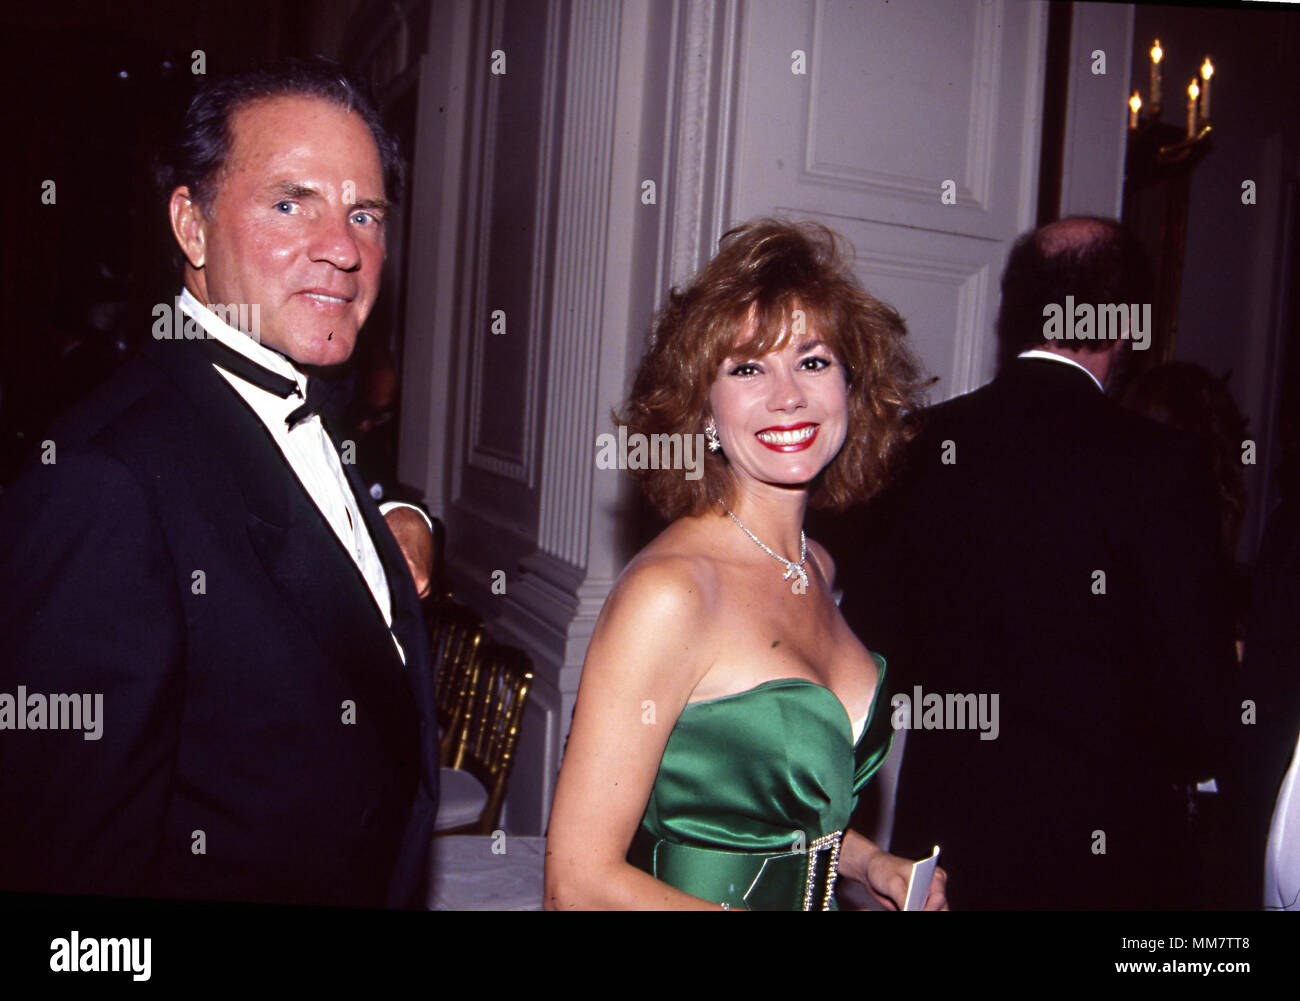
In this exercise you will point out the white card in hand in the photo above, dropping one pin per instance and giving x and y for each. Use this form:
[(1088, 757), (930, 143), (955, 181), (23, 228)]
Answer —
[(918, 884)]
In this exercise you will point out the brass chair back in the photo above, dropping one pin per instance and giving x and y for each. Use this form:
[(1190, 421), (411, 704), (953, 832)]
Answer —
[(489, 732), (457, 639)]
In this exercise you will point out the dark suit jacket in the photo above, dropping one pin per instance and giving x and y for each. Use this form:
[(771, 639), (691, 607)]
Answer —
[(979, 577), (170, 559)]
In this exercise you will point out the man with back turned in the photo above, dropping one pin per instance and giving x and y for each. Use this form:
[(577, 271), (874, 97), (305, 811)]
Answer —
[(1047, 548)]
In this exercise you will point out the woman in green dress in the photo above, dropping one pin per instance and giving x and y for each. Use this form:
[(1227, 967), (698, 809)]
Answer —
[(727, 717)]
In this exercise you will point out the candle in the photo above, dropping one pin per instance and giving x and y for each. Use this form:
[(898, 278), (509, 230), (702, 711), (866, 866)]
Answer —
[(1157, 53), (1134, 106), (1207, 71), (1193, 92)]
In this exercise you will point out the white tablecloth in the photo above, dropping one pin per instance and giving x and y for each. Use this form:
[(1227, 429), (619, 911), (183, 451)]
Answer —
[(486, 873)]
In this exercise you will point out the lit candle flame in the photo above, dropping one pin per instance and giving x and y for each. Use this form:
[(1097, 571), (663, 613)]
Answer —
[(1157, 53), (1207, 71), (1193, 91)]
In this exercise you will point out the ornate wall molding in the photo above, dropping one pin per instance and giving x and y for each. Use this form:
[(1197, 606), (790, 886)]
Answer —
[(520, 466), (586, 151), (972, 284), (974, 188), (441, 175), (698, 134)]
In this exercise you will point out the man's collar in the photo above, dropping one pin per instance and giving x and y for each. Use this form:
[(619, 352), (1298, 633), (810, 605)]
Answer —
[(237, 340), (1035, 353)]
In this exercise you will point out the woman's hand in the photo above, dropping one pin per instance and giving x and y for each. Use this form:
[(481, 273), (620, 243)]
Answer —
[(884, 875)]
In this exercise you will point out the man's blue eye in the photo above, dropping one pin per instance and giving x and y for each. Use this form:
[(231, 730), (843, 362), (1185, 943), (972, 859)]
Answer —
[(280, 206)]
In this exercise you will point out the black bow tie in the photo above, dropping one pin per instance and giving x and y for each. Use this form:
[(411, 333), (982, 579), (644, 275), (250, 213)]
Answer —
[(324, 396), (327, 397)]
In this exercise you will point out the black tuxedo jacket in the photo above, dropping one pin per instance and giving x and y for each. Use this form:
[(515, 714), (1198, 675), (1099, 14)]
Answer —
[(261, 738), (982, 575)]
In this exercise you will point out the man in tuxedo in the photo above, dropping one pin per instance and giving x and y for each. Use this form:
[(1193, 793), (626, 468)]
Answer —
[(215, 679), (1056, 558)]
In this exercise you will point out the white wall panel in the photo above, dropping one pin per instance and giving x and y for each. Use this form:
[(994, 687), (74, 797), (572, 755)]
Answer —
[(898, 99)]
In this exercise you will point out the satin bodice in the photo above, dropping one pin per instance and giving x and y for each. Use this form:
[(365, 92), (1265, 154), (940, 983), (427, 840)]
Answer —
[(761, 770)]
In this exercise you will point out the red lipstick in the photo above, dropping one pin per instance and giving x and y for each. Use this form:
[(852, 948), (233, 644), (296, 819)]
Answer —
[(788, 437)]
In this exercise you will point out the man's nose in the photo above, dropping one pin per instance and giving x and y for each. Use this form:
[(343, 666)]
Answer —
[(334, 241)]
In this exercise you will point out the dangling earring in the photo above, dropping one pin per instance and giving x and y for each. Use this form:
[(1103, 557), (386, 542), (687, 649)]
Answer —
[(711, 437)]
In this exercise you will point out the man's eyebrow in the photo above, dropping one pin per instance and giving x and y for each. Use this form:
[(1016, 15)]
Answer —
[(294, 189)]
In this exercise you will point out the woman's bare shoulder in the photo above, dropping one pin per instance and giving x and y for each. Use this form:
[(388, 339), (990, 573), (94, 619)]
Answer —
[(672, 575), (655, 633), (659, 613)]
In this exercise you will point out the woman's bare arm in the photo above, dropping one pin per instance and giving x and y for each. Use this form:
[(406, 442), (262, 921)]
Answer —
[(649, 649)]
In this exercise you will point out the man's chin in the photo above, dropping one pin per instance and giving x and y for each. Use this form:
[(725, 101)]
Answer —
[(323, 350)]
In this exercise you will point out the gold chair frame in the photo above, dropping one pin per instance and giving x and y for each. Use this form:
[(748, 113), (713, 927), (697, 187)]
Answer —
[(487, 734), (457, 639)]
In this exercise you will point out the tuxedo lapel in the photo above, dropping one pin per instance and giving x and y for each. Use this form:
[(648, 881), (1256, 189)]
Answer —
[(303, 557)]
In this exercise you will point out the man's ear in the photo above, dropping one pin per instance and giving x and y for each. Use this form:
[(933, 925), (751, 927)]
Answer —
[(189, 226)]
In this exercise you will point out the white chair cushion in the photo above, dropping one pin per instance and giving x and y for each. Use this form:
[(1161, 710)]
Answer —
[(461, 799)]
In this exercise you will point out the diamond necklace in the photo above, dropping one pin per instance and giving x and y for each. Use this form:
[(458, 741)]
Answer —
[(792, 569)]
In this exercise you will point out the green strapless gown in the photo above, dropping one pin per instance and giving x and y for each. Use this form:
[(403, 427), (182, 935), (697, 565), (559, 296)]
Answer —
[(747, 785)]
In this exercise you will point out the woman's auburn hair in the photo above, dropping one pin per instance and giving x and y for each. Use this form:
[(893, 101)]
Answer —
[(767, 270)]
